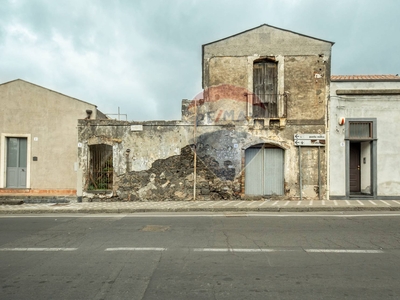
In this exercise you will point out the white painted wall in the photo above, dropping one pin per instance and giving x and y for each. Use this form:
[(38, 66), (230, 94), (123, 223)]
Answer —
[(386, 109)]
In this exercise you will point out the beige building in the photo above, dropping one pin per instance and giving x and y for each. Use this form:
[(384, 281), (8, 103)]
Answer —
[(38, 142)]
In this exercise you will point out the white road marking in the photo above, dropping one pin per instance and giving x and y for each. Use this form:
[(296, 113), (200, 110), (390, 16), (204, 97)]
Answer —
[(196, 214), (323, 202), (342, 251), (311, 202), (38, 249), (239, 203), (258, 250), (287, 202), (252, 202), (347, 201), (335, 202), (273, 204), (136, 249), (262, 203), (243, 250), (211, 205), (385, 202), (396, 201), (360, 202), (225, 204), (372, 202), (205, 202), (299, 202)]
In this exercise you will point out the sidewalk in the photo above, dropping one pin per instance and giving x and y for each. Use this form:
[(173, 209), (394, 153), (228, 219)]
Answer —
[(204, 206)]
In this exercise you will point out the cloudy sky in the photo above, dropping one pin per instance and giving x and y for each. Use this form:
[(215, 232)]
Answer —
[(144, 56)]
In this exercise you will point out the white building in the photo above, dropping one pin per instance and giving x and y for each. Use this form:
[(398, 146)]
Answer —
[(364, 155)]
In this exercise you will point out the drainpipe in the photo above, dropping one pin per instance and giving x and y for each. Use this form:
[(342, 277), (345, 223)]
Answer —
[(195, 150), (319, 172), (327, 162), (300, 176)]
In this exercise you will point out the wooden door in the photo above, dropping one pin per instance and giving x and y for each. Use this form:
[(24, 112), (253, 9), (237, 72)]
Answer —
[(355, 174), (265, 89)]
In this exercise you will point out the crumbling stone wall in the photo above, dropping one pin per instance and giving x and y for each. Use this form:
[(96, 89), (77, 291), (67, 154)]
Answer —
[(153, 160), (173, 179)]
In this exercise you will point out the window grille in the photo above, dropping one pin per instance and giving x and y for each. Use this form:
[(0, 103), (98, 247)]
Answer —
[(101, 167), (360, 130)]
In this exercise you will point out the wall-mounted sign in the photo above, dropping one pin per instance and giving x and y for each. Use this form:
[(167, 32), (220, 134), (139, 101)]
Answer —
[(309, 139), (136, 127)]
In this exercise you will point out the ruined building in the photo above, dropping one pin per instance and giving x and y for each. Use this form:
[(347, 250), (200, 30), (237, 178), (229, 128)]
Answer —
[(257, 130)]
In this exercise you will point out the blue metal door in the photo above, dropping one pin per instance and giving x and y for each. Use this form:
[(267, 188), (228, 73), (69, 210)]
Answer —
[(16, 162), (264, 171)]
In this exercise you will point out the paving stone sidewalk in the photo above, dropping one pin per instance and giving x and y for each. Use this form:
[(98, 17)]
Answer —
[(204, 206)]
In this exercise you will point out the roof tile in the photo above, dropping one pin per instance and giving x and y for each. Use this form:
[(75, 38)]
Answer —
[(364, 77)]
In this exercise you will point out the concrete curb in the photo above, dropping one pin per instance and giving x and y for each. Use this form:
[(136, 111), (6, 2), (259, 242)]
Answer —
[(12, 209)]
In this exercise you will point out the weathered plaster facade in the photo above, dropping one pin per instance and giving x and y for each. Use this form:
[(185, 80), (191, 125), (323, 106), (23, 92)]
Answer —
[(155, 160), (44, 123), (364, 166)]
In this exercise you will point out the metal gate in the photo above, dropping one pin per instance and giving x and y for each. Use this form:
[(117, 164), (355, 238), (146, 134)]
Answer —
[(264, 171), (100, 167)]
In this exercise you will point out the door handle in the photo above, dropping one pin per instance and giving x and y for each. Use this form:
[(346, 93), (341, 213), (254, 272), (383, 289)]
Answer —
[(358, 168)]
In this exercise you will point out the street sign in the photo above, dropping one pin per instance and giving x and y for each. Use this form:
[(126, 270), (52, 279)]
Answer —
[(320, 143), (309, 136), (309, 139)]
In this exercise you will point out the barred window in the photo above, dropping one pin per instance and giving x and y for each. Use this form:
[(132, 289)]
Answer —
[(100, 167), (360, 130)]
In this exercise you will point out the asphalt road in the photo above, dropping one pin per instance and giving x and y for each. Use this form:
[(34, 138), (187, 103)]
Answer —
[(269, 256)]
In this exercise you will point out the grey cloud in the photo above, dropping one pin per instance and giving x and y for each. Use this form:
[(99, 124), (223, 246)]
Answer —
[(145, 56)]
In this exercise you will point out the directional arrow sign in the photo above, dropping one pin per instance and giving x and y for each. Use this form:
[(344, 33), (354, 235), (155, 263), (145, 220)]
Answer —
[(309, 136), (309, 139), (309, 143)]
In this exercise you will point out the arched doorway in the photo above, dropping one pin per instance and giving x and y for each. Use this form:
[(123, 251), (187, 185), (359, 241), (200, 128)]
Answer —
[(264, 170)]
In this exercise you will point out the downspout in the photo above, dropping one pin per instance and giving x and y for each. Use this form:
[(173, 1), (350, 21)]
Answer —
[(327, 162), (194, 150)]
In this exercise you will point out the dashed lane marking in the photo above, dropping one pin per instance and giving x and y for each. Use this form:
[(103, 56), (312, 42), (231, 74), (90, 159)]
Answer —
[(136, 249), (342, 251), (39, 249)]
